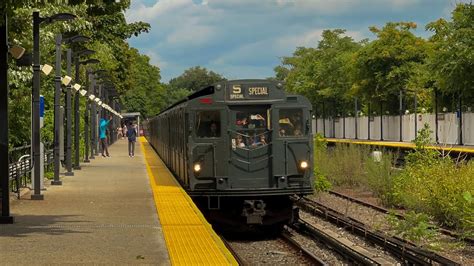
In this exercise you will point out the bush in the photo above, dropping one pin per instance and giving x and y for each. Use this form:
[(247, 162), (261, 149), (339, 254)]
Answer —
[(343, 165), (438, 186)]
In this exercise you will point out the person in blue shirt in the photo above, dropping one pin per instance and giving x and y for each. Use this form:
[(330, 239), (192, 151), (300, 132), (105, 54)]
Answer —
[(103, 136)]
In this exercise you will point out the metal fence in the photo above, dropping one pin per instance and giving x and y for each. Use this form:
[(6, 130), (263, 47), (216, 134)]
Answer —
[(20, 166)]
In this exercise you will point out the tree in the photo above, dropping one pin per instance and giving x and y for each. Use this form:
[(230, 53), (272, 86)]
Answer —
[(145, 94), (104, 22), (195, 78), (452, 59), (389, 64), (321, 73)]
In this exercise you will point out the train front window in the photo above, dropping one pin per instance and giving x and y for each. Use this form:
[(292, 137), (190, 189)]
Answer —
[(290, 122), (254, 120), (208, 124), (251, 127)]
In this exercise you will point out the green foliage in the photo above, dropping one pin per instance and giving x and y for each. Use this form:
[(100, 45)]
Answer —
[(320, 143), (421, 153), (339, 68), (146, 94), (437, 186), (415, 227), (380, 177), (321, 184), (104, 22), (452, 59), (194, 79), (322, 72), (389, 64), (347, 170)]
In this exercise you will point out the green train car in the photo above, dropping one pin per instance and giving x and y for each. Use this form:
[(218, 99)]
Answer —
[(240, 149)]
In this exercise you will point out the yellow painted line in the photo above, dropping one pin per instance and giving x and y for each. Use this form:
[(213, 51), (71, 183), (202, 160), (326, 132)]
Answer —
[(401, 145), (189, 237)]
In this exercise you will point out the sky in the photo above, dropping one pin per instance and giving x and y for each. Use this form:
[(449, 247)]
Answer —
[(246, 38)]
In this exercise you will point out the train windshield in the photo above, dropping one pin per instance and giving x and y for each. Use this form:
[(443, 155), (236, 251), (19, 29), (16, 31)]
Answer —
[(251, 127), (290, 123), (208, 124)]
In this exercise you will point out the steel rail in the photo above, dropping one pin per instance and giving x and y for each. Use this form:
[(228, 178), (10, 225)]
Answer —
[(308, 254), (398, 215), (346, 251), (399, 248), (236, 255)]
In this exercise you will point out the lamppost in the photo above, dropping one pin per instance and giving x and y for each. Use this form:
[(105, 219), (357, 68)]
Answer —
[(93, 111), (5, 216), (37, 20), (76, 104), (57, 93), (77, 38)]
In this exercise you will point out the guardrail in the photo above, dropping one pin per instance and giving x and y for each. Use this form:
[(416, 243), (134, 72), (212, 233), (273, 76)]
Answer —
[(20, 166)]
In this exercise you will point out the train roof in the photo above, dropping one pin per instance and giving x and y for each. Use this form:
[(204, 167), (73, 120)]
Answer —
[(226, 84)]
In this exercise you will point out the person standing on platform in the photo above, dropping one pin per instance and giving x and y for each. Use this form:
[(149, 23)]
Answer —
[(132, 138), (103, 136)]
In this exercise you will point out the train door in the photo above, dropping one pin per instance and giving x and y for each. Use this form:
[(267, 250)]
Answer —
[(250, 146), (208, 146)]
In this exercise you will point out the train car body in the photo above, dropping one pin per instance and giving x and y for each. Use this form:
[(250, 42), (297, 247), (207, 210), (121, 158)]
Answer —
[(240, 148)]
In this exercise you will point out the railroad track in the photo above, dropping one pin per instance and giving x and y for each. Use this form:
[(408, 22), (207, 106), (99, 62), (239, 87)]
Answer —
[(346, 248), (308, 254), (274, 249), (398, 247), (241, 261), (398, 215)]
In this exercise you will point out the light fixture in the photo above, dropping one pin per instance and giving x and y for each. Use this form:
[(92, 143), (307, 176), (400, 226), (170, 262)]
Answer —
[(83, 92), (77, 87), (97, 99), (17, 51), (303, 165), (46, 69), (59, 17), (92, 97), (99, 103), (197, 167), (66, 80), (104, 105)]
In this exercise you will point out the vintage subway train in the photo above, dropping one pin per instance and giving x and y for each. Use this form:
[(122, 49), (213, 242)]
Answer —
[(240, 149)]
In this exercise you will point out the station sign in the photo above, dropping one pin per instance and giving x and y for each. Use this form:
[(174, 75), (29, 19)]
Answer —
[(242, 92)]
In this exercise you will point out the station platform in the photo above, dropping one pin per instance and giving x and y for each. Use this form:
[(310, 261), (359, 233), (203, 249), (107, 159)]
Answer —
[(117, 210), (404, 145)]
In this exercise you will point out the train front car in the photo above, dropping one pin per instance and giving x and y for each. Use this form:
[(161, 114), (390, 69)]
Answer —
[(249, 149)]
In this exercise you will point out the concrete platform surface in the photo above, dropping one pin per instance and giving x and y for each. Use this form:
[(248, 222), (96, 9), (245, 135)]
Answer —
[(104, 214)]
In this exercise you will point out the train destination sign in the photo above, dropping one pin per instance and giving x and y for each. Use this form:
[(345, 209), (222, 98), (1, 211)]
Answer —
[(238, 92)]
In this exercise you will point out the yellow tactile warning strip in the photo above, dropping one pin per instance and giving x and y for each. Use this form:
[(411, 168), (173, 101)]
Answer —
[(189, 237), (408, 145)]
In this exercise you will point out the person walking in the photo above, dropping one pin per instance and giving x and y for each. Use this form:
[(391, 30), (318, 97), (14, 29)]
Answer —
[(132, 138), (103, 137)]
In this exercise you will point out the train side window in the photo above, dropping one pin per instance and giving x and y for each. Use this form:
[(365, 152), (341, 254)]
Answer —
[(290, 123), (208, 124)]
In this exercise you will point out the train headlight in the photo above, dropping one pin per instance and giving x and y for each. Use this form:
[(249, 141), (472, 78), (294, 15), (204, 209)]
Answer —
[(304, 165), (197, 168)]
